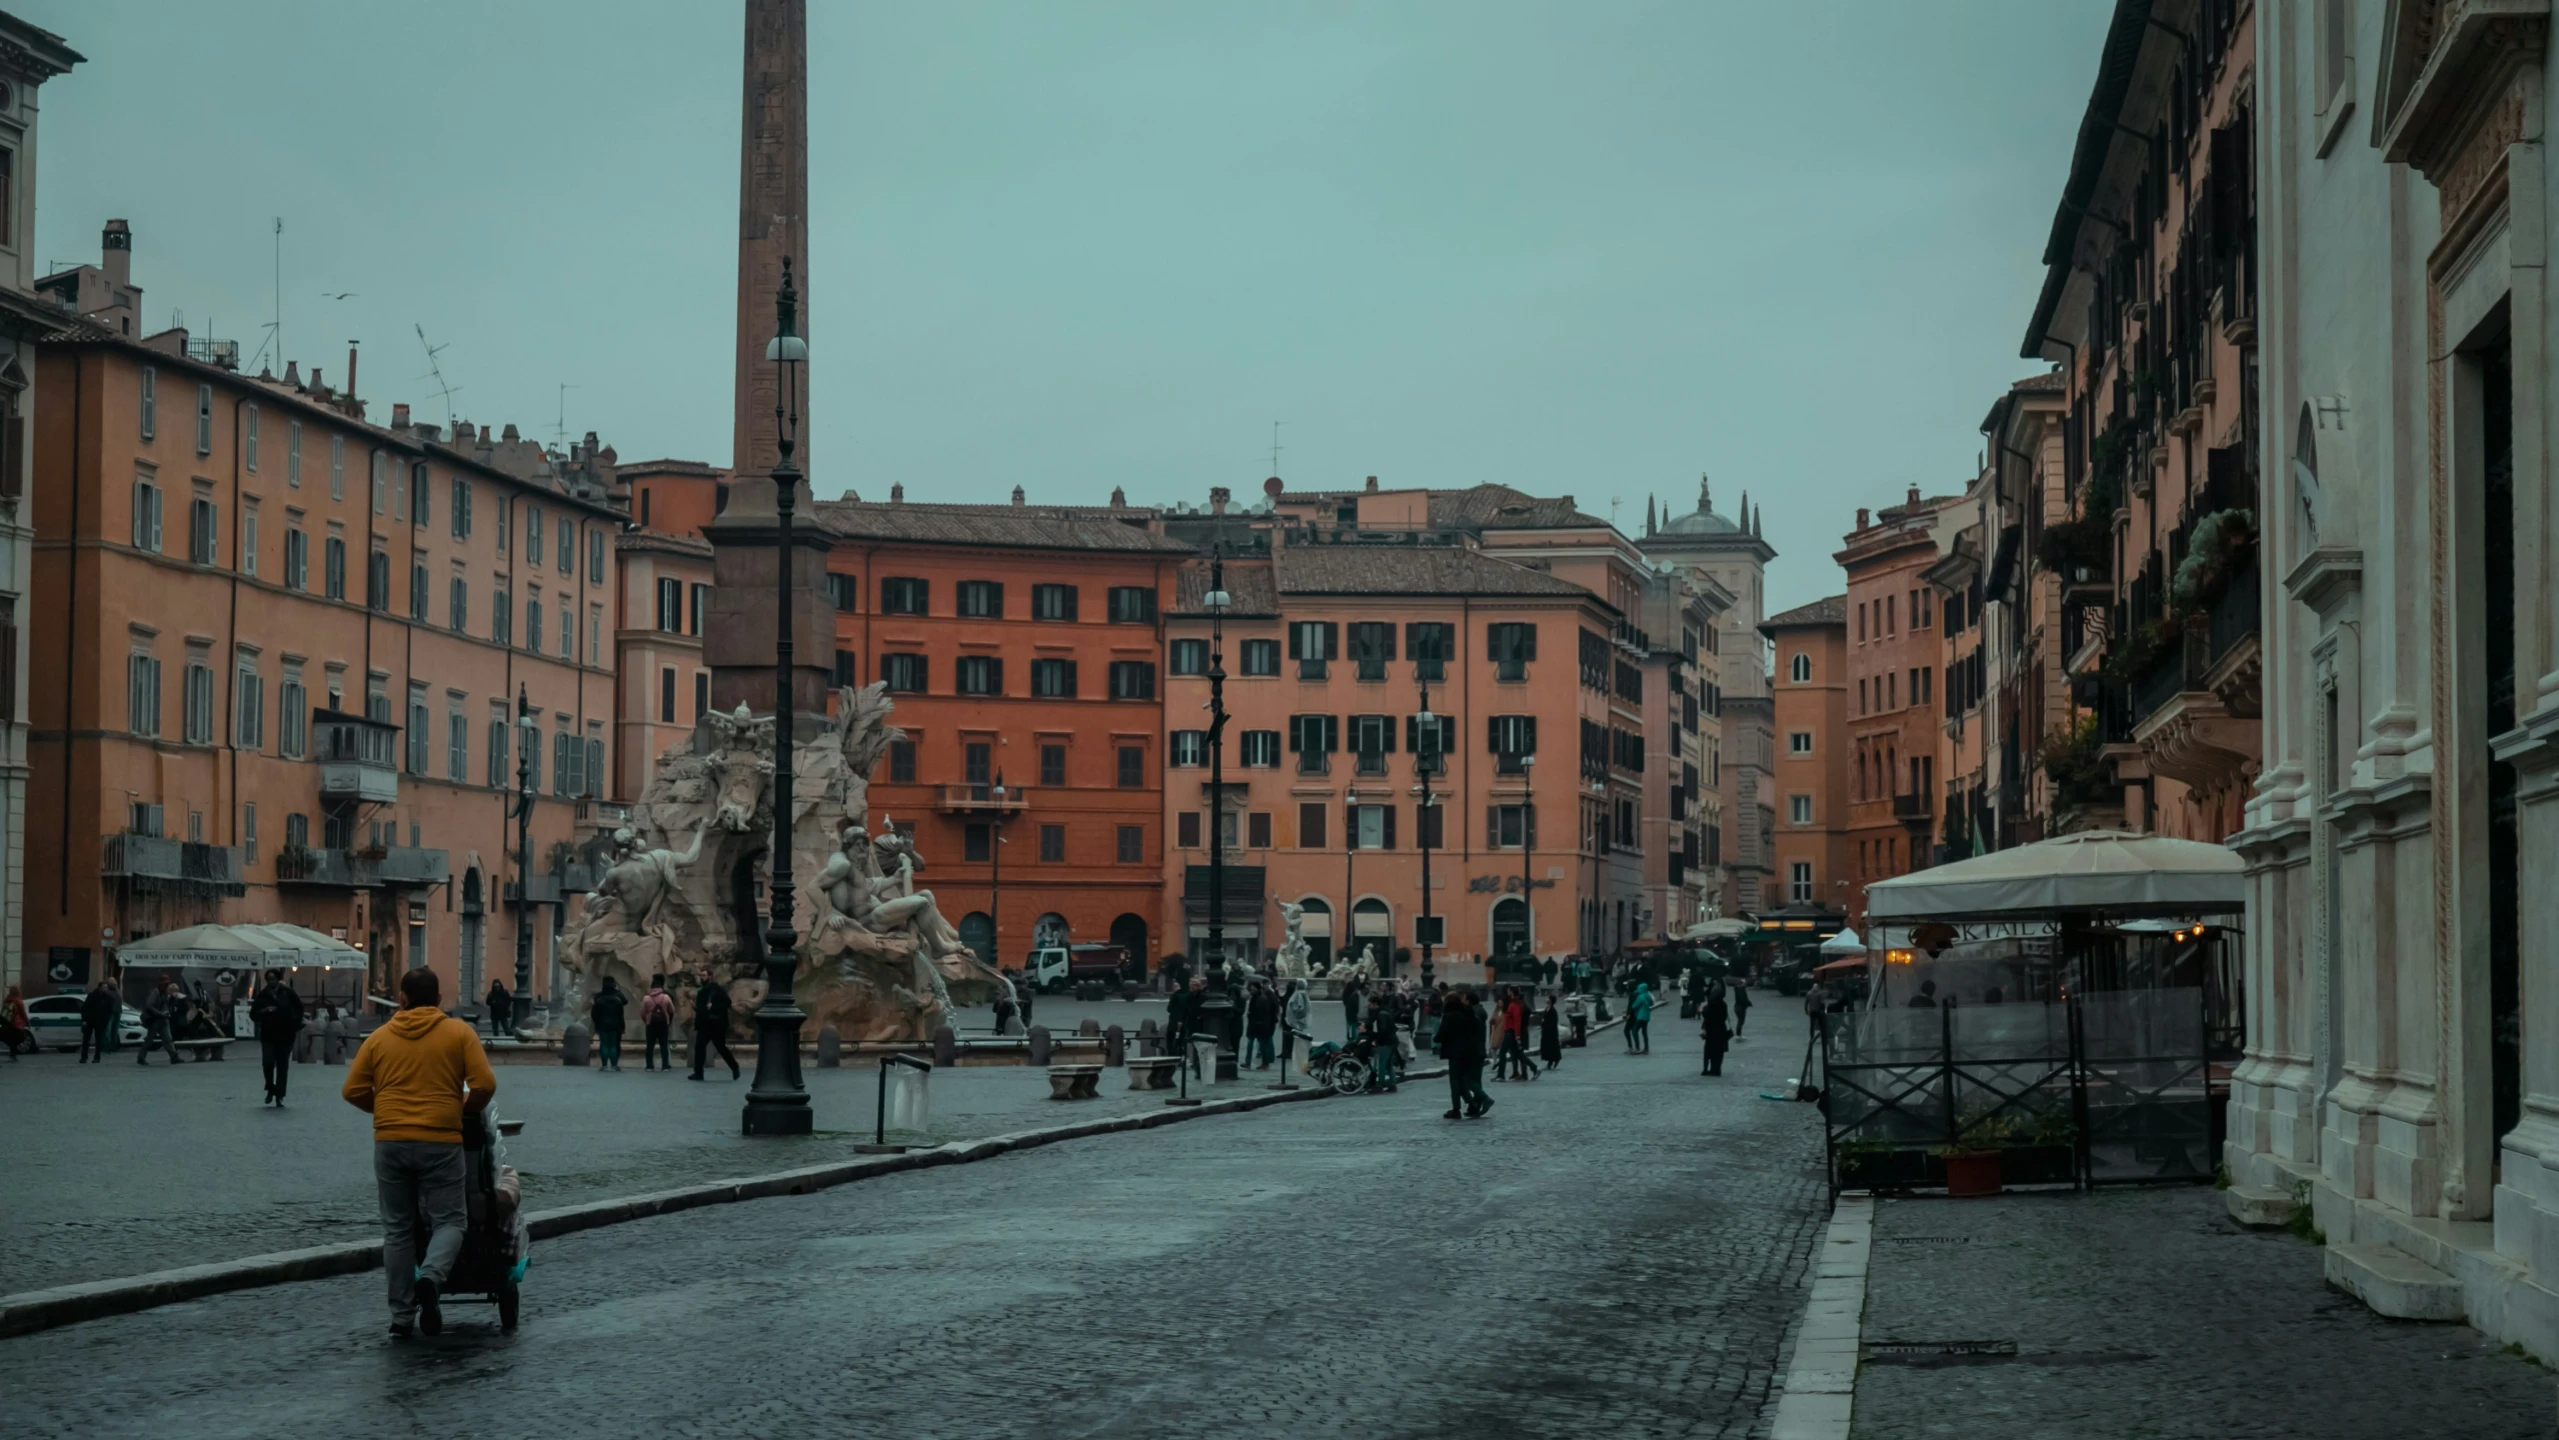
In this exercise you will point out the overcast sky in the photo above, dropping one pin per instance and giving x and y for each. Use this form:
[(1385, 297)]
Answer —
[(1589, 248)]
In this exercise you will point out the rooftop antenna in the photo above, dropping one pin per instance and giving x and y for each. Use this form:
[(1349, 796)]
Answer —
[(435, 372), (560, 426), (274, 346), (1275, 445)]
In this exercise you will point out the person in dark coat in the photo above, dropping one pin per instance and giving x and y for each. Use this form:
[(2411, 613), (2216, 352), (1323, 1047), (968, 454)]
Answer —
[(1352, 995), (159, 1017), (1261, 1025), (1715, 1030), (1741, 1008), (1550, 1034), (100, 1011), (501, 1009), (277, 1014), (1183, 1015), (607, 1009), (1461, 1044), (711, 1026)]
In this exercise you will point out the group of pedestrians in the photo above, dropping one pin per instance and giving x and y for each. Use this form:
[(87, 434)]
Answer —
[(712, 1011)]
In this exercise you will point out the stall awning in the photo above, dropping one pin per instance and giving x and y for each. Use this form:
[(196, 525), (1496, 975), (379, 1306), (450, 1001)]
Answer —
[(240, 947), (2094, 872)]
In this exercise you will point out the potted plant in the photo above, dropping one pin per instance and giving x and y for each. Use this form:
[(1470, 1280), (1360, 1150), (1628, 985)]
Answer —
[(1972, 1159)]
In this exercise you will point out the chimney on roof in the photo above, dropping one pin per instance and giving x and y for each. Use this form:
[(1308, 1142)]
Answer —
[(1372, 484), (1119, 498), (350, 369), (115, 254), (400, 415), (1864, 517), (1017, 494), (509, 434), (1273, 487), (897, 493), (1218, 496), (1914, 497), (293, 373), (463, 433)]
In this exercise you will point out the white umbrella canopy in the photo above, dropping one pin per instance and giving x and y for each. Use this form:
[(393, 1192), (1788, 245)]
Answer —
[(221, 945), (1844, 943), (2107, 871), (309, 947), (1718, 930)]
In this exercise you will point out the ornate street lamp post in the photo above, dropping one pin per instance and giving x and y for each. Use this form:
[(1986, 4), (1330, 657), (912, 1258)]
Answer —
[(1217, 1010), (1527, 846), (531, 735), (779, 1103), (1426, 753)]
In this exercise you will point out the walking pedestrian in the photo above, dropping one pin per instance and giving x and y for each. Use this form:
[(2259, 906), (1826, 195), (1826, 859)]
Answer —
[(1297, 1025), (606, 1010), (13, 1024), (657, 1021), (1352, 994), (1461, 1045), (99, 1011), (418, 1076), (1515, 1037), (1713, 1028), (159, 1014), (1182, 1016), (1577, 1015), (277, 1015), (1639, 1020), (711, 1026), (1741, 1006), (501, 1009), (1550, 1036), (1261, 1020), (1385, 1061)]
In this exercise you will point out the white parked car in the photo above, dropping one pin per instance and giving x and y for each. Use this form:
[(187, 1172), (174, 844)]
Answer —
[(55, 1021)]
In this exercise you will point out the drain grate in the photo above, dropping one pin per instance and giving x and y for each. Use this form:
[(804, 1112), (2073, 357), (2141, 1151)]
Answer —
[(1882, 1348), (1923, 1239)]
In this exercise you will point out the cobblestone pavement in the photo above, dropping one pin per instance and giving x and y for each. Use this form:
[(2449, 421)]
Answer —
[(118, 1169), (1618, 1250), (2148, 1315)]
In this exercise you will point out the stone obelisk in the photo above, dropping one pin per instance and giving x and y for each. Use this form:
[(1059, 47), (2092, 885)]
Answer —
[(773, 191)]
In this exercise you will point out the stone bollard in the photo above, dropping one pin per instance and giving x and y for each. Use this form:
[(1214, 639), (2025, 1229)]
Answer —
[(946, 1047), (1150, 1039), (1088, 1027), (573, 1044), (1039, 1045), (830, 1048), (305, 1043), (1114, 1046)]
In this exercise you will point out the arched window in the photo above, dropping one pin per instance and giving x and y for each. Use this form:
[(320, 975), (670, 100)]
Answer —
[(1510, 926), (1051, 931), (1802, 668), (977, 931), (2305, 473), (1373, 930)]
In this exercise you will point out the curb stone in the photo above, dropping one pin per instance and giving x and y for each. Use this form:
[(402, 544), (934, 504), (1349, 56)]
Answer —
[(30, 1311), (1820, 1389)]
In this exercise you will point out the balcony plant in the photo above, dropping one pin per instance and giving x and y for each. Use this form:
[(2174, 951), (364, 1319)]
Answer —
[(2074, 761), (2221, 543), (293, 862)]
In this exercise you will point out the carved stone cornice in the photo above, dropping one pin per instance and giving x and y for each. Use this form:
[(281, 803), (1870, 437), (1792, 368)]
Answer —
[(2326, 577), (2448, 68), (2195, 739)]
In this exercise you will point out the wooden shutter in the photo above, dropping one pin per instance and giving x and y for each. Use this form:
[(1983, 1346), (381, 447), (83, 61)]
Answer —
[(1492, 827), (13, 445), (1387, 840), (1332, 640)]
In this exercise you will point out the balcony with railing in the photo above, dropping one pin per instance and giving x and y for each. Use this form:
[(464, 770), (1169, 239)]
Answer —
[(328, 868), (149, 863), (2195, 708), (359, 758), (987, 799), (413, 865)]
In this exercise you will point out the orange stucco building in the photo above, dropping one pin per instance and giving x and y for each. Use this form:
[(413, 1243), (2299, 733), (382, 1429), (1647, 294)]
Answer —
[(1813, 857), (1894, 656), (276, 658)]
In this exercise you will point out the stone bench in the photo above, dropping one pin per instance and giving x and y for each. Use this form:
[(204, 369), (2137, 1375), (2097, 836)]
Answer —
[(1152, 1072), (1074, 1082)]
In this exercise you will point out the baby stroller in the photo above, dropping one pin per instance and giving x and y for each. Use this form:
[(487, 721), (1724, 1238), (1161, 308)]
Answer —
[(496, 1246), (1349, 1069)]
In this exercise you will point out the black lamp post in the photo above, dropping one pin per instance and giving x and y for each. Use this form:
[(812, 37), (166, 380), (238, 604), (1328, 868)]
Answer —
[(1217, 1009), (995, 881), (529, 736), (1426, 753), (779, 1102), (1527, 846)]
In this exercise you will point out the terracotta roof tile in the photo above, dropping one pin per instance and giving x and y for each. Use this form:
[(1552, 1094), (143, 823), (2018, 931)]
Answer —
[(1409, 570), (998, 526), (1828, 610)]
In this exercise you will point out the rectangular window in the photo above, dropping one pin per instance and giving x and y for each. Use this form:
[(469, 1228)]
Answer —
[(848, 668), (1186, 829), (594, 555), (499, 730), (1052, 844), (568, 631), (1053, 602), (197, 713), (1052, 765), (902, 762), (1310, 825), (1189, 749), (1313, 739), (977, 843), (701, 603), (1372, 740), (146, 516), (568, 547), (1053, 679), (1261, 657), (904, 674), (420, 741), (845, 591), (204, 419), (421, 495), (150, 402), (982, 600), (1311, 644), (701, 693), (533, 621), (249, 538), (506, 520), (905, 595), (249, 440), (333, 568), (1261, 748), (1132, 605), (249, 831), (249, 713), (378, 479), (666, 694), (1257, 830), (502, 618), (1510, 646), (337, 467), (1370, 827), (1511, 739), (1132, 767), (1372, 648), (457, 744), (458, 605), (1430, 929), (1190, 657), (1799, 742), (1430, 645), (1132, 679), (979, 674), (204, 545), (142, 694), (1506, 827), (1799, 882), (1430, 745), (461, 508), (292, 714), (1799, 809), (533, 533), (1133, 837), (377, 580), (293, 454), (418, 585)]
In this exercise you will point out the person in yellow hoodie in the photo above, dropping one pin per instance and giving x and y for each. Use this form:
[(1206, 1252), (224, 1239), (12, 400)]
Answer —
[(418, 1076)]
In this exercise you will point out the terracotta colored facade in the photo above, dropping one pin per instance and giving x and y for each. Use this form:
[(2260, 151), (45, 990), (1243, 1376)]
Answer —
[(663, 683), (237, 577), (1894, 657), (1814, 857)]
